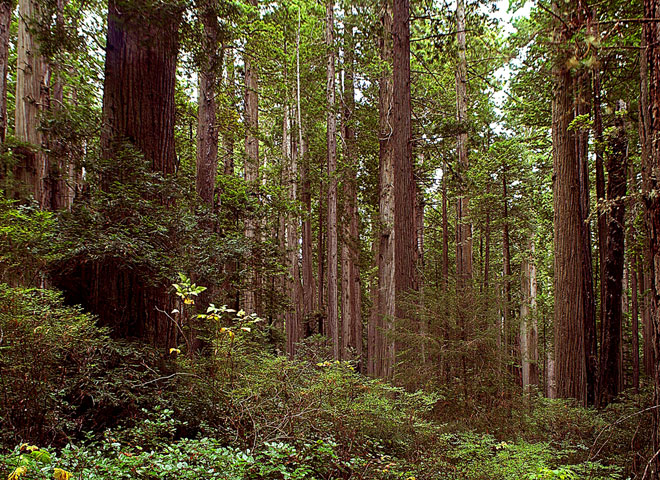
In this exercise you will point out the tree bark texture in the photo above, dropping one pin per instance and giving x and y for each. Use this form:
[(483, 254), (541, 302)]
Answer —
[(652, 201), (350, 252), (332, 316), (207, 127), (610, 355), (570, 317), (252, 168), (386, 294), (6, 9), (32, 82)]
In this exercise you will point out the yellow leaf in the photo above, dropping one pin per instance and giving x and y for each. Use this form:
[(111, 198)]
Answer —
[(189, 301), (174, 350), (18, 473), (241, 313), (60, 474), (247, 329)]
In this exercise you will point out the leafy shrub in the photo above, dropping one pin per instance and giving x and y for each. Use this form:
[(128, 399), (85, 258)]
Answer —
[(61, 375)]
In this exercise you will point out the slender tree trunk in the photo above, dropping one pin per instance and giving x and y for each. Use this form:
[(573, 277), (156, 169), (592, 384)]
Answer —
[(332, 304), (32, 82), (386, 295), (506, 260), (350, 253), (6, 9), (634, 316), (644, 126), (252, 167), (528, 323), (228, 133), (610, 355), (463, 225), (445, 231)]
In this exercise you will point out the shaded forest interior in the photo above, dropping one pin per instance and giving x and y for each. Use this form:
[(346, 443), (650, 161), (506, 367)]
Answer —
[(352, 232)]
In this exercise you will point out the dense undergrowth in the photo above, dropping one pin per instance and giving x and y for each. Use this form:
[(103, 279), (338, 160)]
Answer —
[(96, 408)]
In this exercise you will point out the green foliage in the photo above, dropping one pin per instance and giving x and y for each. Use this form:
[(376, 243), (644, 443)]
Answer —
[(60, 374)]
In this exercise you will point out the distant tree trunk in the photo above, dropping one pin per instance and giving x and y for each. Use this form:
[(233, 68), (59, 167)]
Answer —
[(601, 213), (463, 225), (644, 126), (386, 293), (634, 315), (405, 191), (487, 233), (445, 231), (332, 304), (6, 9), (207, 129), (32, 82), (252, 167), (570, 296), (350, 252), (652, 202), (610, 354), (529, 323), (506, 260), (228, 133), (582, 109), (306, 199)]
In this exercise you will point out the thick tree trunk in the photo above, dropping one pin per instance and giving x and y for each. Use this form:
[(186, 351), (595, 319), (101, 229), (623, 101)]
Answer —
[(32, 83), (634, 316), (207, 129), (138, 109), (652, 201), (252, 169), (570, 299), (405, 191), (386, 295), (610, 354), (332, 304)]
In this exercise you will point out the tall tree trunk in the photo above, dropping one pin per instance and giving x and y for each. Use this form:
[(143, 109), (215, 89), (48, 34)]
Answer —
[(652, 202), (506, 260), (138, 108), (350, 253), (386, 295), (306, 199), (528, 322), (445, 231), (463, 225), (207, 129), (634, 316), (252, 167), (570, 315), (405, 190), (332, 304), (582, 108), (610, 354), (644, 140), (32, 82), (6, 9), (228, 133)]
